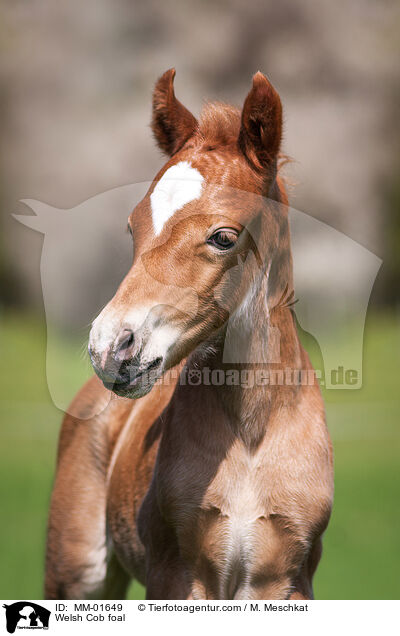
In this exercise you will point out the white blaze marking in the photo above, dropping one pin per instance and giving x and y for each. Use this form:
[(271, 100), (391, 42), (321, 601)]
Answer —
[(179, 185)]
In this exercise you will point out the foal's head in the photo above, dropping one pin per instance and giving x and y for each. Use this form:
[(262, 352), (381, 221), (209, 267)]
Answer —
[(207, 223)]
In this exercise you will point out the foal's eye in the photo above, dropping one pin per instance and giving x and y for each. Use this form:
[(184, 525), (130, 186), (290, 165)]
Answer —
[(223, 239), (129, 229)]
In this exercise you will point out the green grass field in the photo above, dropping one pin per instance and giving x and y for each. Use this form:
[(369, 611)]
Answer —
[(361, 546)]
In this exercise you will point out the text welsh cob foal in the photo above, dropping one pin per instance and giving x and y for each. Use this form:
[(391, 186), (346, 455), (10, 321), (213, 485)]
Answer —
[(199, 488)]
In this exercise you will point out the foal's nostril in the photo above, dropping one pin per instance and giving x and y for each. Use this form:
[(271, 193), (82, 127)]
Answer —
[(124, 344), (128, 341)]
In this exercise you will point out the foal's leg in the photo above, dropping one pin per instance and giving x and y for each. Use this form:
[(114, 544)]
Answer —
[(167, 580), (78, 560), (303, 589)]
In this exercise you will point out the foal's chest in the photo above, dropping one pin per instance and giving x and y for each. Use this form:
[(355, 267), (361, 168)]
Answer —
[(235, 519), (228, 535), (243, 521)]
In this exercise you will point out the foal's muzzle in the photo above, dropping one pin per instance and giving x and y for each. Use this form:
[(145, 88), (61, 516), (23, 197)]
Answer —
[(122, 369), (133, 380)]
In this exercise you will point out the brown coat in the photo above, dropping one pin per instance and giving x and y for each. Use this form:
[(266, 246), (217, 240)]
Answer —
[(198, 490)]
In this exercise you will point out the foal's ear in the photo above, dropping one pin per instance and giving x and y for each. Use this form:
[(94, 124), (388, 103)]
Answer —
[(261, 126), (172, 123)]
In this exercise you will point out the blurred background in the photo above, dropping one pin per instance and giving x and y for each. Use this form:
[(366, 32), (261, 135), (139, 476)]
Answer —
[(75, 85)]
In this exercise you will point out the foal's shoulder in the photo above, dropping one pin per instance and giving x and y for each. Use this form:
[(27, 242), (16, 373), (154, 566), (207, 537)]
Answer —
[(93, 420)]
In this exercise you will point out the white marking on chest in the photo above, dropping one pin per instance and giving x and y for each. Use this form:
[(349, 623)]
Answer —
[(243, 512), (179, 185)]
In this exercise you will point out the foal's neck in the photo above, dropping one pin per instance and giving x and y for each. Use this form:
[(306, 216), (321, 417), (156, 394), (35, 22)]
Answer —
[(259, 341)]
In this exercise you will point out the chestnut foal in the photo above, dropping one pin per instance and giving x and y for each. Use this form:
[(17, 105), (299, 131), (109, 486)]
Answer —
[(198, 488)]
